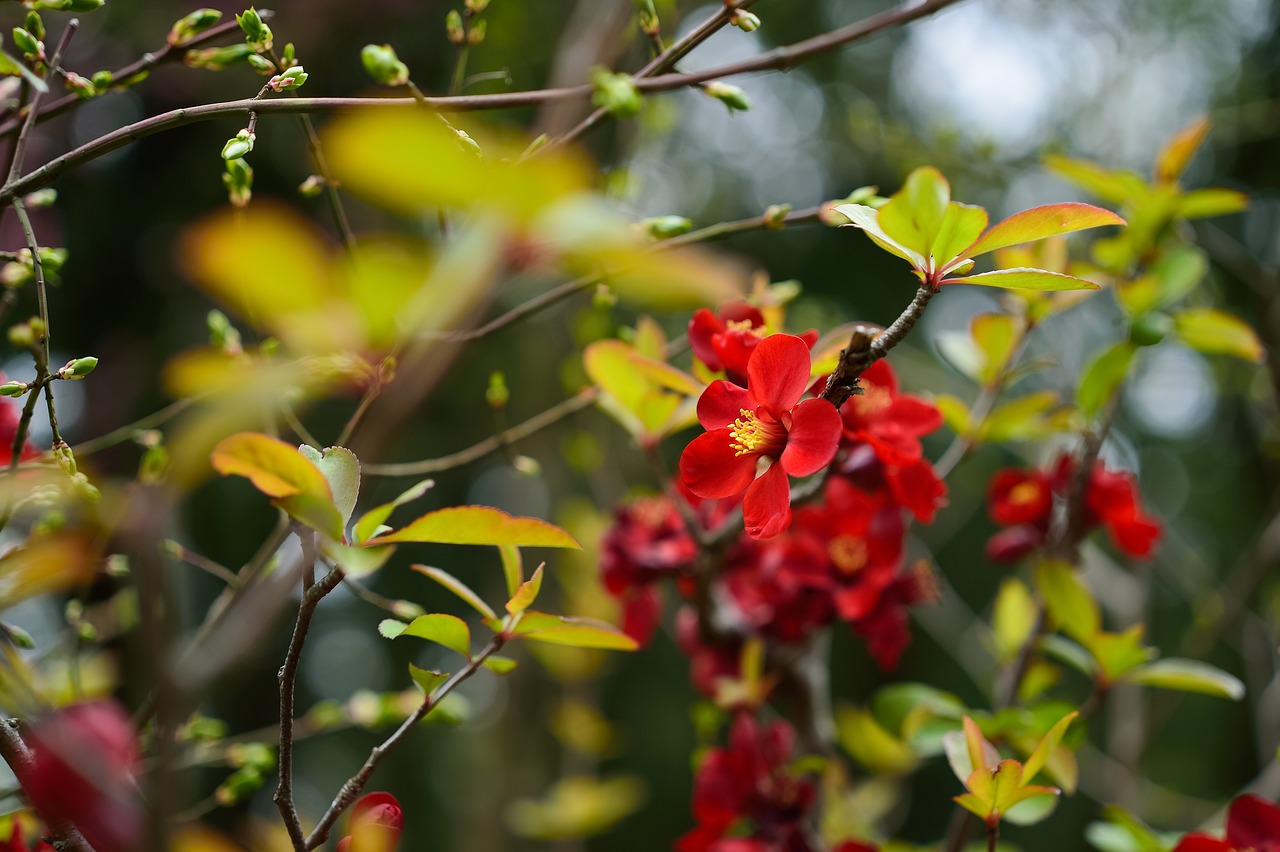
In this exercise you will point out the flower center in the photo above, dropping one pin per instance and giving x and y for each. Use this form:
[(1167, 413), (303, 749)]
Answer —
[(849, 553), (1024, 493), (871, 401), (744, 326), (750, 434)]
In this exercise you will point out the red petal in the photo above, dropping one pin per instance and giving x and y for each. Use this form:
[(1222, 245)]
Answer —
[(813, 438), (766, 508), (711, 468), (703, 325), (918, 489), (913, 415), (1253, 823), (778, 372), (880, 375), (1202, 843), (722, 403)]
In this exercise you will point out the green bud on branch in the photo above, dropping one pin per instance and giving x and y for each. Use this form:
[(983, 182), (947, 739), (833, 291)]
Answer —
[(775, 216), (731, 96), (40, 198), (476, 34), (14, 389), (190, 26), (382, 64), (77, 368), (453, 27), (497, 394), (238, 179), (31, 47), (34, 24), (217, 58), (616, 94), (665, 227), (261, 64), (745, 21), (293, 78), (256, 34), (312, 186), (239, 145)]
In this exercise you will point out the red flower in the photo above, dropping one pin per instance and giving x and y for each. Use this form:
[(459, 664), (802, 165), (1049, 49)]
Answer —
[(374, 826), (765, 421), (647, 543), (16, 844), (750, 781), (724, 340), (1253, 825), (890, 422), (1112, 499), (81, 771), (1020, 497)]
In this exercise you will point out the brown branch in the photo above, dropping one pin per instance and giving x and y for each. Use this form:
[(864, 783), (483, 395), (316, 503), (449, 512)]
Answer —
[(864, 350), (24, 133), (16, 754)]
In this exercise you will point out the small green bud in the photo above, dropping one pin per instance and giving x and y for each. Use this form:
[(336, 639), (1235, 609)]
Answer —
[(382, 64), (475, 7), (14, 388), (87, 632), (239, 145), (603, 298), (255, 31), (476, 34), (775, 216), (616, 94), (190, 26), (239, 785), (497, 393), (102, 80), (467, 143), (66, 460), (288, 56), (527, 466), (68, 5), (665, 227), (217, 58), (238, 179), (261, 64), (82, 86), (1151, 329), (117, 565), (292, 78), (22, 336), (745, 21), (312, 186), (453, 27), (18, 637), (78, 368), (153, 466), (731, 96), (222, 333), (34, 24), (203, 729), (30, 46)]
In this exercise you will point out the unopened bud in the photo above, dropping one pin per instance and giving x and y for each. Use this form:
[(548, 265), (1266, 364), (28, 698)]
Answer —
[(68, 5), (190, 26), (293, 78), (497, 393), (256, 34), (239, 145), (665, 227), (261, 64), (102, 80), (82, 86), (527, 466), (78, 368), (775, 216), (476, 34), (616, 94), (288, 56), (453, 27), (382, 64), (22, 336), (30, 46), (217, 58), (41, 197), (731, 96), (239, 785), (603, 298), (18, 637), (238, 179), (475, 7), (312, 186), (34, 25), (745, 21), (14, 388)]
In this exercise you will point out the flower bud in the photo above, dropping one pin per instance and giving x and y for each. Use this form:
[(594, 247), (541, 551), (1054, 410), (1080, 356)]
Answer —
[(376, 823), (30, 46), (665, 227), (78, 368), (616, 94), (293, 78), (102, 80), (497, 394), (647, 16), (453, 27), (82, 86), (731, 96), (382, 64), (475, 7), (217, 58), (238, 179), (238, 145), (775, 216), (745, 21), (288, 56), (256, 34), (68, 5), (190, 26), (14, 388), (312, 186), (34, 24), (261, 64), (476, 34)]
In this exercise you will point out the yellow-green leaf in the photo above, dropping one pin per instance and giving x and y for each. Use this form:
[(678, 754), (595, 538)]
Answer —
[(526, 594), (274, 467), (479, 525), (914, 214), (1040, 222), (1118, 654), (1013, 619), (426, 679), (954, 413), (499, 665), (1113, 185), (1103, 377), (51, 563), (1203, 203), (357, 561), (1216, 332), (371, 520), (1173, 158), (459, 588), (1024, 279), (578, 632), (1025, 418), (868, 219), (1188, 676), (960, 228), (871, 744), (996, 336), (512, 566), (1070, 605), (1045, 748), (443, 629)]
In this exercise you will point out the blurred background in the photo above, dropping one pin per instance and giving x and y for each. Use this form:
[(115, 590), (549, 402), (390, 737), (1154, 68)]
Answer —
[(983, 91)]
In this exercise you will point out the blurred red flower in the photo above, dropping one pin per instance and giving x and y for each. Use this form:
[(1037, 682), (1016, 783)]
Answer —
[(1253, 825), (375, 824)]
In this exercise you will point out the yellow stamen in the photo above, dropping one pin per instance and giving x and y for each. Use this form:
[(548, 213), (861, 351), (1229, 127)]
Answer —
[(1024, 493), (750, 435), (849, 553), (871, 401)]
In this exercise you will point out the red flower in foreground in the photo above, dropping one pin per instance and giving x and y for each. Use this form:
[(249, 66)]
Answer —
[(725, 339), (375, 825), (81, 771), (763, 422), (16, 844), (1253, 825)]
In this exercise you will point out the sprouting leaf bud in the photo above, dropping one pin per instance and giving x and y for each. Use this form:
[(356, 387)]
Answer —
[(30, 46), (497, 393), (616, 94), (312, 186), (256, 34), (40, 198), (222, 334), (731, 96), (475, 7), (238, 179), (289, 56), (603, 298), (476, 34), (82, 86), (261, 64), (665, 227), (745, 21), (239, 786), (78, 368), (34, 24), (382, 64), (190, 26), (18, 637), (238, 145), (14, 388), (102, 80), (68, 5), (217, 58), (293, 78), (775, 216), (453, 27)]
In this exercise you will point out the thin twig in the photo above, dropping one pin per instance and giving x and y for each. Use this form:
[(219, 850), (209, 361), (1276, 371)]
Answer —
[(24, 134), (863, 351), (16, 754)]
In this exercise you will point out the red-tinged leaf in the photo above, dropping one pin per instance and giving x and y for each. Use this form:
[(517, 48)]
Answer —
[(371, 520), (1041, 222), (499, 665), (459, 588), (479, 525), (973, 805), (1046, 746), (426, 679), (1216, 332), (914, 214), (868, 220), (357, 561), (443, 629), (1203, 203), (1173, 158), (274, 467), (960, 227), (956, 746), (1025, 279), (578, 632), (1103, 377), (526, 594), (1188, 676), (1111, 185)]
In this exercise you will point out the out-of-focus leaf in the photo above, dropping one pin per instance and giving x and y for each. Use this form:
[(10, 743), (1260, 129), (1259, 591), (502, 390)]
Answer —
[(526, 594), (1216, 332), (1032, 810), (578, 632), (1070, 605), (996, 336), (443, 629), (648, 398), (1111, 185), (959, 350), (342, 470), (1024, 279), (1038, 223), (1118, 654), (284, 474), (369, 522), (426, 679), (1203, 203), (1173, 158), (357, 561), (512, 566), (1103, 377), (1021, 419), (954, 413), (576, 807), (1188, 676), (45, 564), (1013, 619), (1045, 748), (1071, 653), (459, 588), (867, 218), (499, 665), (867, 742), (479, 525)]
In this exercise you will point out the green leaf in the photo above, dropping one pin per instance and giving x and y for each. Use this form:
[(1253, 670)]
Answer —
[(371, 520), (479, 525), (443, 629), (512, 567), (342, 470), (1045, 748), (1203, 203), (1041, 222), (1070, 606), (867, 742), (1013, 619), (959, 350), (960, 227), (1024, 279), (391, 627), (867, 218), (1120, 653), (526, 594), (426, 679), (914, 214), (996, 336), (499, 665), (459, 588), (1188, 676), (357, 561), (1103, 377), (1216, 332), (649, 398), (1114, 186), (1033, 809), (954, 413), (1021, 419), (577, 632), (278, 470), (1064, 650), (1173, 158)]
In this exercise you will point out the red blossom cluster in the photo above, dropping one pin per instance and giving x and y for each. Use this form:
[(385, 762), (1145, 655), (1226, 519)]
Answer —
[(723, 341), (1253, 825), (1023, 501)]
